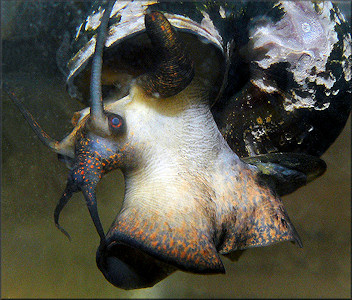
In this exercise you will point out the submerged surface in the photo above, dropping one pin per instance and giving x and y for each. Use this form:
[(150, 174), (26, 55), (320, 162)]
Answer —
[(38, 261)]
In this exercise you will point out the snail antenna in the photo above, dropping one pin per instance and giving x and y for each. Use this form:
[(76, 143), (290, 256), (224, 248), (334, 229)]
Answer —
[(96, 101)]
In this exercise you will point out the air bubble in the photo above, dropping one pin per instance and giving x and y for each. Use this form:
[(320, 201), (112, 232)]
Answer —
[(288, 136), (305, 27), (156, 95)]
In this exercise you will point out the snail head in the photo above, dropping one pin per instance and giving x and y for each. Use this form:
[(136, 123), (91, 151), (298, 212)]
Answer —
[(99, 142)]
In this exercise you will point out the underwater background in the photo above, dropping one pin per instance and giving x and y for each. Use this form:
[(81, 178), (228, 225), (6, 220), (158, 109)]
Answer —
[(37, 260)]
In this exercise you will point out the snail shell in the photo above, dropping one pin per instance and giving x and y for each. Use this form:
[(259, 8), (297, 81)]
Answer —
[(284, 68)]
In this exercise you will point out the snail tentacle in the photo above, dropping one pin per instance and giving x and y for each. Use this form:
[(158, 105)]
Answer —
[(86, 172), (42, 135), (61, 204), (96, 102), (89, 195)]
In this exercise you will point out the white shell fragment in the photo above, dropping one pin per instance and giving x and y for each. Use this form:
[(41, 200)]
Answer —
[(305, 39)]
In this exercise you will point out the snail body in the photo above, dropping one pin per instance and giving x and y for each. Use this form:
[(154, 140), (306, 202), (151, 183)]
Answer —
[(198, 183), (187, 197)]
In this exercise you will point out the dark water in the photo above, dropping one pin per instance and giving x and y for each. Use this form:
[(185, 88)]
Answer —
[(38, 261)]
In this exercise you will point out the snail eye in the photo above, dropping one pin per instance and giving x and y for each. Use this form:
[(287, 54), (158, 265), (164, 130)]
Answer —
[(115, 123)]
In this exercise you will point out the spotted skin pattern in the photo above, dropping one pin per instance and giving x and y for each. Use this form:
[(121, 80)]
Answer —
[(188, 249), (244, 214), (263, 221), (94, 157)]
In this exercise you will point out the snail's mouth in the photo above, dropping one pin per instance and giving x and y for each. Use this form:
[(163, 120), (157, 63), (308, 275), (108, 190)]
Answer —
[(130, 268)]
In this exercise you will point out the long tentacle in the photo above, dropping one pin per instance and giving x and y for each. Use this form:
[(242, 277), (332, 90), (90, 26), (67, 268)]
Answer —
[(75, 183), (89, 195), (62, 202), (96, 104), (42, 135)]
